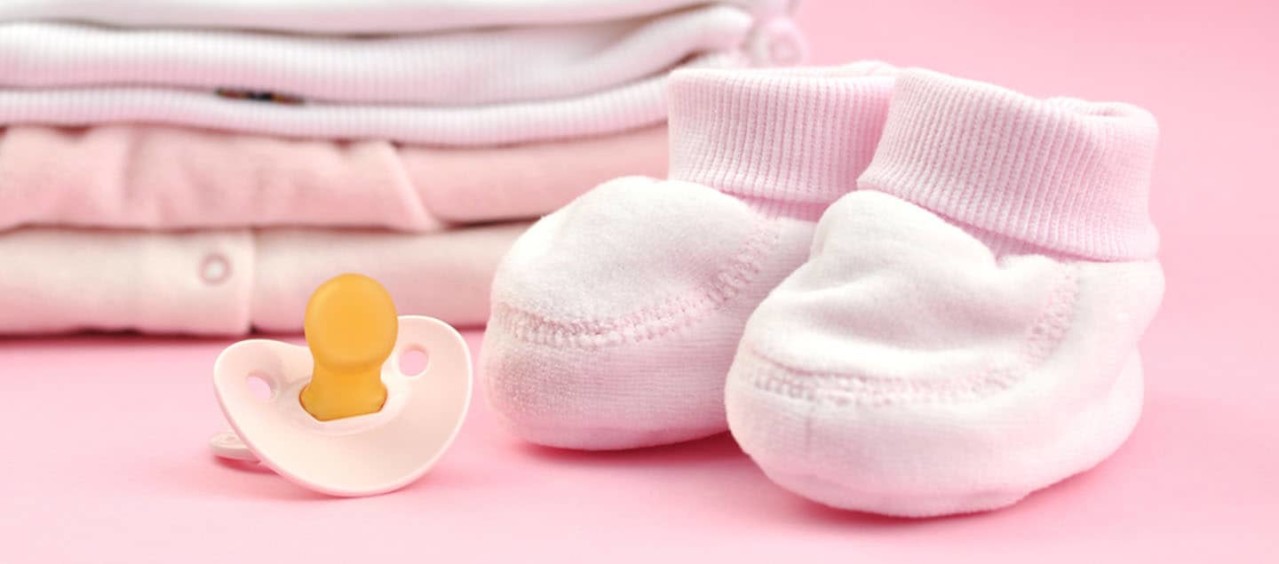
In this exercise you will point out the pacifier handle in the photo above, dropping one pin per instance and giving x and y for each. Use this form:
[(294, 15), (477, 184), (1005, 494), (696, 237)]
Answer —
[(228, 445)]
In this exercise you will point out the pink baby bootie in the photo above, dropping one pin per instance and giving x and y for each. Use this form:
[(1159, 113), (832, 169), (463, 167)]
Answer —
[(615, 320), (965, 331)]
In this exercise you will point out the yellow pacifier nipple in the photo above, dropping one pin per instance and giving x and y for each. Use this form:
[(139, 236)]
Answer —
[(351, 328)]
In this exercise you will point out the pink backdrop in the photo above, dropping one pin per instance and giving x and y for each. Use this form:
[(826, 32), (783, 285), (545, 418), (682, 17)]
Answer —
[(103, 437)]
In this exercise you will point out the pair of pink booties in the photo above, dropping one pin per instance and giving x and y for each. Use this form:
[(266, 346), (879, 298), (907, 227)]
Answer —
[(902, 292)]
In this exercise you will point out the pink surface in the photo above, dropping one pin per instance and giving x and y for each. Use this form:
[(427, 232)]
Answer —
[(105, 461)]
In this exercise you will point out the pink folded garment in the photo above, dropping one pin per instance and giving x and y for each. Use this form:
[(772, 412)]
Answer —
[(226, 282), (154, 177)]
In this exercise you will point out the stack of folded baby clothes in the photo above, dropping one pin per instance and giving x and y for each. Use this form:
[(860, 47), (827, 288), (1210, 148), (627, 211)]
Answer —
[(199, 166)]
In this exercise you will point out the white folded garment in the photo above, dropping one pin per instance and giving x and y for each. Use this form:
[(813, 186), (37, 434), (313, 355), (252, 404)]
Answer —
[(490, 72), (353, 16), (226, 282), (471, 67), (627, 107)]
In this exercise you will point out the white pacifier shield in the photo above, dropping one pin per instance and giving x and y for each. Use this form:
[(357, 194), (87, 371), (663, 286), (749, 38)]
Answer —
[(355, 456)]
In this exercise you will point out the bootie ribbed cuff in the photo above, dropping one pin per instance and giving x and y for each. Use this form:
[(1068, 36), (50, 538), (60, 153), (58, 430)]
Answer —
[(788, 140), (1063, 174)]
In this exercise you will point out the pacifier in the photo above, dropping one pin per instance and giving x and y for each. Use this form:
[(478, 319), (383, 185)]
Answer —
[(342, 417)]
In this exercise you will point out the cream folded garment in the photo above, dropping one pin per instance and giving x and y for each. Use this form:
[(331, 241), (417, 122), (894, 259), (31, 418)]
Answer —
[(223, 282)]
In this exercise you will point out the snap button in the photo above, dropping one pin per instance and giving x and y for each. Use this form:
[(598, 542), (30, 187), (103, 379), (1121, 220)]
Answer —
[(778, 42), (215, 269)]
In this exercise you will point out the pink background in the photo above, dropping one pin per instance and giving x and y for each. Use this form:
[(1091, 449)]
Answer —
[(103, 438)]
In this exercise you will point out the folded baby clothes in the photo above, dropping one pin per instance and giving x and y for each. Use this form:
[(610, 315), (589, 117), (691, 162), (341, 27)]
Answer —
[(355, 16), (507, 83), (225, 282), (153, 177), (286, 128)]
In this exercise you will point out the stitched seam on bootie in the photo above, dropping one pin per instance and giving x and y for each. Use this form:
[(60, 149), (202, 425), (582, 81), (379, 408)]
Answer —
[(838, 389), (651, 322)]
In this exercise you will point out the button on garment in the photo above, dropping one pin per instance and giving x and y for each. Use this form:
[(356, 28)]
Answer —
[(215, 269)]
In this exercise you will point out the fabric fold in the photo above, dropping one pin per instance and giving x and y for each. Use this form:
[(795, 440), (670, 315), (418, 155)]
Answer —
[(797, 138), (1068, 175), (631, 106), (343, 17)]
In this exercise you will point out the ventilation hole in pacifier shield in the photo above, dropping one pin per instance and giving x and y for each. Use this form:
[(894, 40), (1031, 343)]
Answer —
[(413, 361), (260, 388)]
